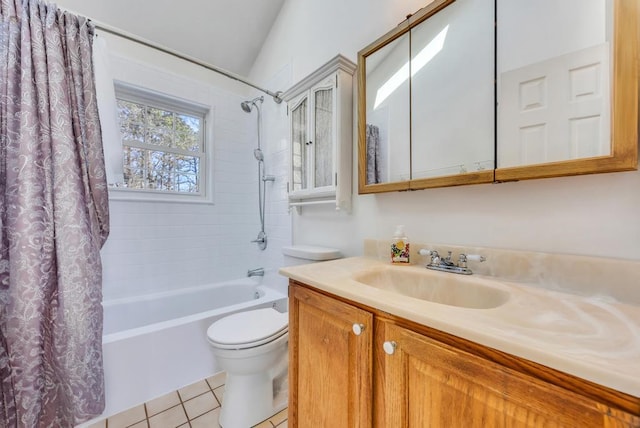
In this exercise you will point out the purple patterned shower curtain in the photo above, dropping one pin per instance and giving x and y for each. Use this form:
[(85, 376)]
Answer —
[(53, 219)]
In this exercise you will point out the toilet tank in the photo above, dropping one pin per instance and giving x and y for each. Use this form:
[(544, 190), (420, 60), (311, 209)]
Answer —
[(304, 254)]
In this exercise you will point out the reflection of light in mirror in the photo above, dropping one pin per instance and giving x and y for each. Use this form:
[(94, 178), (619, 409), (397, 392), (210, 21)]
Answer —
[(391, 85), (429, 52), (426, 54)]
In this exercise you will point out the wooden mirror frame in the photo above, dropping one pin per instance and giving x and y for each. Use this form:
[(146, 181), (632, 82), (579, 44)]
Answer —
[(624, 108), (624, 112), (403, 28)]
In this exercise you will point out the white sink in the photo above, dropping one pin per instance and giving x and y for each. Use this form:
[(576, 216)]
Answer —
[(437, 287)]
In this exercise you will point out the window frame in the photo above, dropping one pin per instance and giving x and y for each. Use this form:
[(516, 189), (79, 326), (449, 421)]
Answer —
[(135, 94)]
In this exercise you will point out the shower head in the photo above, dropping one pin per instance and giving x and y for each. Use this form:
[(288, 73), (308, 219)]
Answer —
[(258, 154), (248, 105)]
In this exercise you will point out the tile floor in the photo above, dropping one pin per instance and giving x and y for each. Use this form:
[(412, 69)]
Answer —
[(194, 406)]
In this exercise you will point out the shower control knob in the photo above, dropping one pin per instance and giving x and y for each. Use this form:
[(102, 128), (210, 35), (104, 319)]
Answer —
[(358, 329), (389, 347)]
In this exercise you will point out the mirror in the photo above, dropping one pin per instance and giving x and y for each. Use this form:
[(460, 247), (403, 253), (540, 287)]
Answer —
[(568, 101), (388, 122), (437, 122), (452, 104), (412, 102)]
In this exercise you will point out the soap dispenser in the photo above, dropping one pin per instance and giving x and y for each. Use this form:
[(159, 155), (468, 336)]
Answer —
[(400, 246)]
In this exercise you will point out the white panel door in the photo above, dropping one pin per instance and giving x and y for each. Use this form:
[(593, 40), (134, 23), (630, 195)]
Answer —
[(555, 110)]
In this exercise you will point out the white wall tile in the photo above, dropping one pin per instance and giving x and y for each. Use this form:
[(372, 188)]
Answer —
[(156, 246)]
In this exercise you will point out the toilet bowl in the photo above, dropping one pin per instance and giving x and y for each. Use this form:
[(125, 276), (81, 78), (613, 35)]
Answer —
[(248, 346), (251, 347)]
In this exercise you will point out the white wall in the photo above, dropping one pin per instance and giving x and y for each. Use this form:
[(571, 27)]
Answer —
[(592, 215), (157, 246)]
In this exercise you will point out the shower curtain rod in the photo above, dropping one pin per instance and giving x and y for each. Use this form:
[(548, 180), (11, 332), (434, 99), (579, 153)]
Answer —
[(147, 43)]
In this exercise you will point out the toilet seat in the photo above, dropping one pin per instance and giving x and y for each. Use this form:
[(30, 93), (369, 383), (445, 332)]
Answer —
[(248, 329)]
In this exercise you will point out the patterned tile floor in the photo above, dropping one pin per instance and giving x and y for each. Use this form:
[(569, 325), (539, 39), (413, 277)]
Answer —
[(194, 406)]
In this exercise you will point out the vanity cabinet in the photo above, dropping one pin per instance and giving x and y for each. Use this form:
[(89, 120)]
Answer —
[(320, 133), (426, 383), (329, 363), (415, 376)]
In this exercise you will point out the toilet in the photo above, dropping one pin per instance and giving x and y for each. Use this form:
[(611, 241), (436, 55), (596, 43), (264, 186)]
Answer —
[(251, 347)]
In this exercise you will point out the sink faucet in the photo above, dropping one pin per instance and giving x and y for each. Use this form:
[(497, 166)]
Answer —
[(446, 264), (447, 260), (255, 272)]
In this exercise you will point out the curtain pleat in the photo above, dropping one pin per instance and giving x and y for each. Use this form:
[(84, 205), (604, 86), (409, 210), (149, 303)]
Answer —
[(54, 214)]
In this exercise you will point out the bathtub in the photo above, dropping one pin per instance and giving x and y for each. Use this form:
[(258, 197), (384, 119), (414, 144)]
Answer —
[(156, 344)]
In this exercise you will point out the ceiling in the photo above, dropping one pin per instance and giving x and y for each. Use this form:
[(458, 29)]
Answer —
[(224, 33)]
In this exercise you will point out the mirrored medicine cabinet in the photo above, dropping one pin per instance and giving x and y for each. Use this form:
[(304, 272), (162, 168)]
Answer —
[(479, 91)]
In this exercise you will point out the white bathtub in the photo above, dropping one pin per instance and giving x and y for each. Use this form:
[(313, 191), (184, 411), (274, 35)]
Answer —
[(156, 344)]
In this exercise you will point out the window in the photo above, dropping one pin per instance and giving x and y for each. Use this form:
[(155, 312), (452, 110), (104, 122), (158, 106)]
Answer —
[(163, 141)]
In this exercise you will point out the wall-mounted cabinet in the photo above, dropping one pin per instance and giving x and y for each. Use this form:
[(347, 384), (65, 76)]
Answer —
[(426, 118), (320, 132), (477, 91)]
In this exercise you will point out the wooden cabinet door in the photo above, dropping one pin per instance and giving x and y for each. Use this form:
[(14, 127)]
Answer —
[(330, 366), (425, 383)]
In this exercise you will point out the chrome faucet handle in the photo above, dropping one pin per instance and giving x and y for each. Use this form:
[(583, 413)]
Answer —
[(261, 240), (447, 260), (262, 237)]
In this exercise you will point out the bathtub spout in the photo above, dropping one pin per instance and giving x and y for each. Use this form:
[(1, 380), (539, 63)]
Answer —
[(255, 272)]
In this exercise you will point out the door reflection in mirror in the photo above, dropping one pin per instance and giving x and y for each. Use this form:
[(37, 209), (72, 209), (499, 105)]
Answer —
[(554, 80)]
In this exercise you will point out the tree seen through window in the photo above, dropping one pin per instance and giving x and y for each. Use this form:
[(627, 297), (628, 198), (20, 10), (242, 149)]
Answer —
[(163, 149)]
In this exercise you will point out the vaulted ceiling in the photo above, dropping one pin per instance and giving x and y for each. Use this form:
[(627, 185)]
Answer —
[(225, 33)]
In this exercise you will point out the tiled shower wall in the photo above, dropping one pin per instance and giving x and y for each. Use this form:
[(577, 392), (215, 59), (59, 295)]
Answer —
[(160, 246)]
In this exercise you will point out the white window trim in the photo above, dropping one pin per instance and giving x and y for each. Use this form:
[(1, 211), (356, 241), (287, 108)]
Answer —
[(135, 93)]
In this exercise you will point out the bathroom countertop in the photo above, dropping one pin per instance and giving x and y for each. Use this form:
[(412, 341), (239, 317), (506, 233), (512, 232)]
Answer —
[(596, 338)]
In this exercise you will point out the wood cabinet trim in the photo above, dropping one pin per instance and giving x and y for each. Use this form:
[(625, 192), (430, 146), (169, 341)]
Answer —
[(470, 388), (607, 396), (357, 380)]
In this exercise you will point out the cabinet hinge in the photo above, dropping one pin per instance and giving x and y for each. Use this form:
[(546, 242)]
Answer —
[(336, 81), (336, 174)]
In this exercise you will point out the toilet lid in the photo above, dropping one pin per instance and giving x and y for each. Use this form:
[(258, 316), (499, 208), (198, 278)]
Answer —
[(248, 329)]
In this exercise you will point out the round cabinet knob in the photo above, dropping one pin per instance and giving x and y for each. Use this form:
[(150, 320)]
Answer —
[(389, 347), (358, 329)]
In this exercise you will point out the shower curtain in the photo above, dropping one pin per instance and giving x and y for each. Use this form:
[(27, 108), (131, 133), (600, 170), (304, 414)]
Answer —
[(53, 219)]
